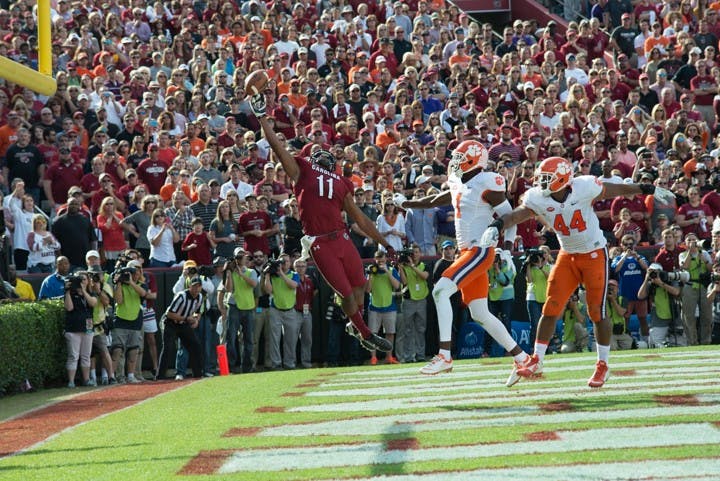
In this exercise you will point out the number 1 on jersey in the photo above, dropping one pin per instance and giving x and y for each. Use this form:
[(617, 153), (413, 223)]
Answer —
[(321, 186), (576, 222)]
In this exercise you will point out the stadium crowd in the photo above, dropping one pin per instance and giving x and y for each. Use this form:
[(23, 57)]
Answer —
[(150, 143)]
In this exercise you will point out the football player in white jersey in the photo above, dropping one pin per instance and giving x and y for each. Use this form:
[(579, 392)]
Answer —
[(565, 204), (475, 195)]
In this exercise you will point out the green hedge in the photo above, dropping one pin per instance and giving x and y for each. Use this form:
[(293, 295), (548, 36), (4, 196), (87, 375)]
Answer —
[(32, 346)]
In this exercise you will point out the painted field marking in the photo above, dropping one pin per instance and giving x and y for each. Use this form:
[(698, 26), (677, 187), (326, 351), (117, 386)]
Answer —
[(499, 375), (698, 469), (278, 459), (453, 384), (553, 360), (504, 396), (411, 423)]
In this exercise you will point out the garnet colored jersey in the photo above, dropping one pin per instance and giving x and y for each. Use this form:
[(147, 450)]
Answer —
[(320, 194)]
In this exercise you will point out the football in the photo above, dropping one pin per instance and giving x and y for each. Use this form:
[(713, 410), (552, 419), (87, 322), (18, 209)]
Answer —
[(256, 82)]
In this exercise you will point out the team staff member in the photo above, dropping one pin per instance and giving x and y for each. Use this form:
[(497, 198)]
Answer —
[(181, 318)]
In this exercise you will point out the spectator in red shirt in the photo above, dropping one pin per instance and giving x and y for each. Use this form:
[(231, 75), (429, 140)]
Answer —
[(255, 226)]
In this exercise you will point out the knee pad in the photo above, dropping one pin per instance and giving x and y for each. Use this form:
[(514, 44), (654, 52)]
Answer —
[(444, 288)]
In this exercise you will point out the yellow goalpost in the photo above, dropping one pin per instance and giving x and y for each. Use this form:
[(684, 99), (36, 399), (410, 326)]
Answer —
[(41, 80)]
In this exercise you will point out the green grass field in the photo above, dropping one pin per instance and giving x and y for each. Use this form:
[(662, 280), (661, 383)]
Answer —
[(658, 417)]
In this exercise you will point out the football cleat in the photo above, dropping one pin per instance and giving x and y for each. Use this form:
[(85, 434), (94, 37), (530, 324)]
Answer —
[(353, 331), (376, 343), (533, 366), (437, 365), (601, 374), (391, 360)]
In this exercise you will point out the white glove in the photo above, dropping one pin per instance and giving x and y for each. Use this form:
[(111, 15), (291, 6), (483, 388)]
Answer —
[(663, 195), (258, 105), (490, 238)]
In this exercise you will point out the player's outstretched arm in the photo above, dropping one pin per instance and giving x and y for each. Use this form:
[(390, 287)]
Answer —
[(363, 221), (429, 201), (286, 159), (610, 191), (491, 235)]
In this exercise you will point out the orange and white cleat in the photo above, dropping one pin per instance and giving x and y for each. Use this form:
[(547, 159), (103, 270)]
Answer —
[(533, 367), (437, 365), (601, 374)]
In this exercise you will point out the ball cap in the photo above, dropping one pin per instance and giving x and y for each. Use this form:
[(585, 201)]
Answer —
[(92, 254), (447, 243), (195, 281), (190, 263)]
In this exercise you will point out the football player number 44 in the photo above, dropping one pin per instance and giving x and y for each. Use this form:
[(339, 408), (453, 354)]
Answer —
[(576, 222), (321, 187)]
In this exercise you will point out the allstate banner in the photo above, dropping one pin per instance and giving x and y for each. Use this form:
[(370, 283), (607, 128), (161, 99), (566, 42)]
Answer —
[(471, 337)]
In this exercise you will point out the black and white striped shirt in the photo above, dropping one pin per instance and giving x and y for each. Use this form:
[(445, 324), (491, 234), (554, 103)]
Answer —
[(184, 305)]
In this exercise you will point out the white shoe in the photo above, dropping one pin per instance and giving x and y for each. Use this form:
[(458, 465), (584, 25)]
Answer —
[(179, 377), (514, 376), (437, 365)]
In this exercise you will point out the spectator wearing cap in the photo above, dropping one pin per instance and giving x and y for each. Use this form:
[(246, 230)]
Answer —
[(152, 171), (385, 53), (453, 115), (451, 47), (8, 131), (505, 145), (704, 88), (60, 177), (648, 97), (622, 38), (319, 48), (682, 77)]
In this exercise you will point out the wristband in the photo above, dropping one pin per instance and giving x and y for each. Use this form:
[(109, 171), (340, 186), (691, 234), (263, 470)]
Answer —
[(498, 224), (647, 188)]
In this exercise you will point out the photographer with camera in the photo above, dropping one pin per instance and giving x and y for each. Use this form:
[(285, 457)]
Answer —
[(382, 280), (101, 289), (629, 267), (79, 304), (240, 281), (411, 327), (575, 333), (127, 336), (203, 329), (180, 320), (620, 339), (536, 272), (281, 283), (662, 292), (713, 297), (501, 296), (694, 293)]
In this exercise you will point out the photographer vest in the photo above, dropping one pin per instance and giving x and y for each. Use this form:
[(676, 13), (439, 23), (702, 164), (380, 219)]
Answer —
[(128, 313), (417, 287), (243, 293), (381, 293), (283, 297)]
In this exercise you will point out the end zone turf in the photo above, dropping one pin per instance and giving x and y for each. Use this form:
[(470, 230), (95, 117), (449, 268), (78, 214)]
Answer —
[(657, 413)]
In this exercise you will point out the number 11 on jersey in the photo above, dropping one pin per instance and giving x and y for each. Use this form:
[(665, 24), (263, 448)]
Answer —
[(321, 186)]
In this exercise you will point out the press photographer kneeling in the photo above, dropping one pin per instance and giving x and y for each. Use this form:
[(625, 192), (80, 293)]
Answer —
[(663, 289), (127, 334), (79, 305)]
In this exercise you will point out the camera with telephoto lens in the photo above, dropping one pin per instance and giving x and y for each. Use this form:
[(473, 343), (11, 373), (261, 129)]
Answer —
[(122, 275), (192, 272), (375, 268), (404, 256), (273, 266), (73, 282), (206, 271)]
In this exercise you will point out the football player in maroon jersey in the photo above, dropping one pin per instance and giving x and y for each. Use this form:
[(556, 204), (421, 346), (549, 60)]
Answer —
[(322, 195)]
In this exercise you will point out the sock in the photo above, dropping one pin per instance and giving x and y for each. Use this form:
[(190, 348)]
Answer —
[(103, 372), (446, 354), (359, 323), (603, 352), (522, 357), (540, 349), (93, 375), (492, 325), (131, 375)]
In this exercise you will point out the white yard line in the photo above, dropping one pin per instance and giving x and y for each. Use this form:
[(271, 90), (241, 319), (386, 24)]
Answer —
[(703, 469), (688, 386), (277, 459), (412, 423)]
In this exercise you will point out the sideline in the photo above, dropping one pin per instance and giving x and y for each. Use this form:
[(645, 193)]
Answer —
[(25, 431)]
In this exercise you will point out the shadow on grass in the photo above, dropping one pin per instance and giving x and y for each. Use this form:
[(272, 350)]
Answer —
[(398, 444), (20, 469), (35, 452)]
